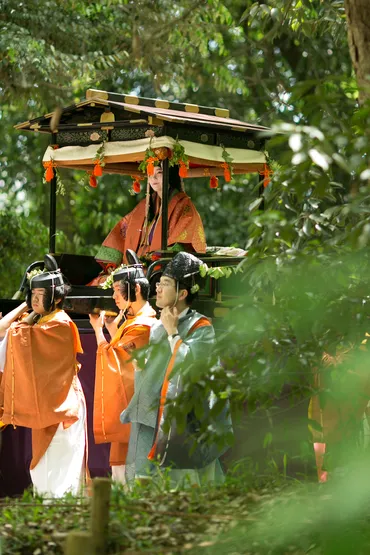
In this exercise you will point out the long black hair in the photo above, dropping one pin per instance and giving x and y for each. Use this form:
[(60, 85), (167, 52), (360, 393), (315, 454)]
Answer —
[(175, 186)]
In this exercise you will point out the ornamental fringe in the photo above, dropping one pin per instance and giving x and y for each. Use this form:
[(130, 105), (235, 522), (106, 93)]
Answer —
[(266, 172), (49, 172)]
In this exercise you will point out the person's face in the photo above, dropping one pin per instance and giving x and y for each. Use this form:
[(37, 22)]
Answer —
[(37, 300), (156, 180), (119, 299), (166, 292)]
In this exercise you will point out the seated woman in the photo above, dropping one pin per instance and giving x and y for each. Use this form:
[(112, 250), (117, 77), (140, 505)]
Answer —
[(141, 229)]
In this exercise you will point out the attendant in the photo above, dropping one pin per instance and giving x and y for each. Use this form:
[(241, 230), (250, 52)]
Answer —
[(114, 378), (8, 319), (40, 388), (181, 336), (340, 408), (5, 323), (141, 229)]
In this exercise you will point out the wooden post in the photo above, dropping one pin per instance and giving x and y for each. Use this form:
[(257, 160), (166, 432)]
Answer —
[(78, 543), (53, 215), (165, 185), (100, 514)]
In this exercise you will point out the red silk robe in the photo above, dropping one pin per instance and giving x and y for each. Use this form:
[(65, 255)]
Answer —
[(184, 226)]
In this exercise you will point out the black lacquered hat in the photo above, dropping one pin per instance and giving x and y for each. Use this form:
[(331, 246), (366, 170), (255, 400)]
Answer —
[(184, 268), (52, 277), (132, 271)]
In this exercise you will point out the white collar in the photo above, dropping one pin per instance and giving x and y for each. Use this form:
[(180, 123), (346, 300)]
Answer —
[(184, 312)]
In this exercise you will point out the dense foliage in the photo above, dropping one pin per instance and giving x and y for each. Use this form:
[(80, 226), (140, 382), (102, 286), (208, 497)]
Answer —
[(252, 58), (246, 516), (305, 283)]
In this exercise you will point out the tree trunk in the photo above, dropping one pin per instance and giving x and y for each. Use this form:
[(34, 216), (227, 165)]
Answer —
[(358, 24)]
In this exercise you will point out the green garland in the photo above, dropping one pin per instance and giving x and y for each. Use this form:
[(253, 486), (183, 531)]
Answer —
[(228, 162), (178, 155), (61, 190), (149, 157), (34, 273), (215, 272), (218, 272), (108, 284), (100, 155)]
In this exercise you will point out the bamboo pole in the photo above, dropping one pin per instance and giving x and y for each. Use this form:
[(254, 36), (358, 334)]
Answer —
[(78, 543), (100, 514)]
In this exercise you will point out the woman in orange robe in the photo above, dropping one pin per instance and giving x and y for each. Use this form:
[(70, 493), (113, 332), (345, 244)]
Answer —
[(141, 229), (40, 389), (114, 378)]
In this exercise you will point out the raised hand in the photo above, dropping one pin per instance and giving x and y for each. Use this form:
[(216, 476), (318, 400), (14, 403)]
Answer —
[(170, 319), (8, 319), (111, 323), (97, 320)]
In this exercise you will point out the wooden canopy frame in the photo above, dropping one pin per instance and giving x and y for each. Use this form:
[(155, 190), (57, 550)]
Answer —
[(123, 123)]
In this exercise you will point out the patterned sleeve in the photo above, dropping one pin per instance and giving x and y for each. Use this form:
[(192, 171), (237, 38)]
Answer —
[(185, 226)]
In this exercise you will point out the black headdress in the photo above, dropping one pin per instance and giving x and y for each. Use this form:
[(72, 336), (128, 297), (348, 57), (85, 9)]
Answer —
[(132, 271), (131, 274), (50, 278), (185, 269)]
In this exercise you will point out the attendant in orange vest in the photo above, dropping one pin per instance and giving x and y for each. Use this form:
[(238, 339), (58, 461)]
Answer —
[(141, 229), (40, 388), (114, 379)]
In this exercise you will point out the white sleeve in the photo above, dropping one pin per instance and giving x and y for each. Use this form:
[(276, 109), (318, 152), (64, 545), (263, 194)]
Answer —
[(172, 341), (3, 345)]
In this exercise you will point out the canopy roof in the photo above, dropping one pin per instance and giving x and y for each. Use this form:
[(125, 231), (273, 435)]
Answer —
[(122, 122)]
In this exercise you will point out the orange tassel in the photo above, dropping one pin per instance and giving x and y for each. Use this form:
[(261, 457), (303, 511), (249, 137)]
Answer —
[(213, 183), (136, 186), (227, 172), (49, 172), (150, 168), (98, 170), (93, 181), (150, 165), (183, 170), (266, 172)]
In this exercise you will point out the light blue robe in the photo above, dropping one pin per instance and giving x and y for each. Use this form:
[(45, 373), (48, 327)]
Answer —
[(142, 411)]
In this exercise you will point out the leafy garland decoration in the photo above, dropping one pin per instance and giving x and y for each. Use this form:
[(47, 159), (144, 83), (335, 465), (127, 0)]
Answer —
[(33, 273), (153, 157), (99, 162), (215, 272), (150, 158), (227, 165), (61, 190), (50, 171), (218, 272), (108, 283), (84, 182), (179, 158)]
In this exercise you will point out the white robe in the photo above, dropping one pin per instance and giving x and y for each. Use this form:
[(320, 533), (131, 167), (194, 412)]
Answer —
[(61, 469)]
